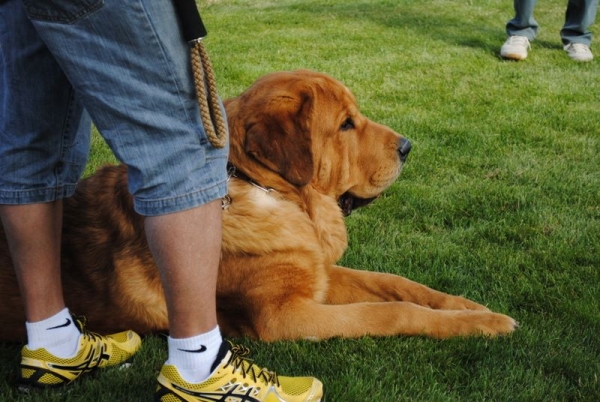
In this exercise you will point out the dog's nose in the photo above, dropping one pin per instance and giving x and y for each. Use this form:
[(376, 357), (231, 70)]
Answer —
[(404, 149)]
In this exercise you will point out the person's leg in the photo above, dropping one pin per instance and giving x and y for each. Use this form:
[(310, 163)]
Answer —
[(151, 121), (520, 30), (187, 245), (579, 16), (44, 142), (523, 24), (33, 234)]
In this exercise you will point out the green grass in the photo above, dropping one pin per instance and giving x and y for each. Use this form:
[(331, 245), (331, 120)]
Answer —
[(499, 201)]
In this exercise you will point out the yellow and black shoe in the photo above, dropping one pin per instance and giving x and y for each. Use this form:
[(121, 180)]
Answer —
[(41, 369), (234, 378)]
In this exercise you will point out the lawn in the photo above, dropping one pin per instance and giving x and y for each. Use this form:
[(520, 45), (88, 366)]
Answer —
[(499, 201)]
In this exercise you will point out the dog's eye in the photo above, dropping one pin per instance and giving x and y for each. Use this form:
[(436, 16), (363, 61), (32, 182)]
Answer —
[(348, 124)]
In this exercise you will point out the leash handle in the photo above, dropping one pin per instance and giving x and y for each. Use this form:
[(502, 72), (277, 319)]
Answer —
[(204, 78), (208, 98)]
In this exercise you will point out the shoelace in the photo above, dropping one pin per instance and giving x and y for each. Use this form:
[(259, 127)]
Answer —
[(241, 362), (518, 40), (92, 337), (80, 324)]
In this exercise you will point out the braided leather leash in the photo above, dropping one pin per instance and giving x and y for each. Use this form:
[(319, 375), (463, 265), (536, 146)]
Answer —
[(208, 99), (204, 77)]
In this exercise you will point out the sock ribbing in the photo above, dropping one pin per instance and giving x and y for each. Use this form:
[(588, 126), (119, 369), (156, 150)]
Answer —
[(193, 357), (57, 334)]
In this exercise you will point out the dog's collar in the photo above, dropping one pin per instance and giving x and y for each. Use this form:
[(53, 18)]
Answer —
[(232, 171)]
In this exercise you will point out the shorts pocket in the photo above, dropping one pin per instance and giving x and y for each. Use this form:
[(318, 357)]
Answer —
[(61, 11)]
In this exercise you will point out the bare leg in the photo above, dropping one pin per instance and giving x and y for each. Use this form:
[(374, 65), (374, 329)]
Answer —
[(34, 232), (187, 247)]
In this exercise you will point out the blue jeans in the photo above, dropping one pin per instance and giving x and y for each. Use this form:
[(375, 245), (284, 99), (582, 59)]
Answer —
[(579, 16), (122, 64)]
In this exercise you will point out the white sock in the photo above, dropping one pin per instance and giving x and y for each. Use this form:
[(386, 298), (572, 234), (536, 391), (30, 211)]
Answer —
[(57, 334), (193, 357)]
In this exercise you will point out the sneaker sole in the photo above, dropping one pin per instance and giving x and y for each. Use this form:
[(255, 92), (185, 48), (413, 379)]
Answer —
[(581, 60), (513, 56), (173, 396), (28, 387)]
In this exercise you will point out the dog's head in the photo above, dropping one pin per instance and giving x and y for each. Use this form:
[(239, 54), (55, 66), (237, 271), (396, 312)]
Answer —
[(305, 127)]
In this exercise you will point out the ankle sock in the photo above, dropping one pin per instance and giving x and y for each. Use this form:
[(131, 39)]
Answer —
[(193, 357), (57, 334)]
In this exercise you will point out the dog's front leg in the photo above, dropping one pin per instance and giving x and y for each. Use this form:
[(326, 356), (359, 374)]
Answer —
[(350, 286), (307, 319)]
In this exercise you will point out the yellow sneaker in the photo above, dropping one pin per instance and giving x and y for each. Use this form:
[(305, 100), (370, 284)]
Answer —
[(234, 378), (41, 369)]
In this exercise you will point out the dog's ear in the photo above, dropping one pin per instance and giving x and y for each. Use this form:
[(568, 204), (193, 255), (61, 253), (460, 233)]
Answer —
[(280, 137)]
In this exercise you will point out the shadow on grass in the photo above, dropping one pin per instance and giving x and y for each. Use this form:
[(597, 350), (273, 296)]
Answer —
[(442, 24)]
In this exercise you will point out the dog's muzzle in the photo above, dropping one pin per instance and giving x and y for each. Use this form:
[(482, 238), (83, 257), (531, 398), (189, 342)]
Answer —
[(349, 202), (404, 149)]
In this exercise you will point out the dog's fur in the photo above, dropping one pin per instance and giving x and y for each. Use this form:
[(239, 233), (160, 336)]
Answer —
[(300, 134)]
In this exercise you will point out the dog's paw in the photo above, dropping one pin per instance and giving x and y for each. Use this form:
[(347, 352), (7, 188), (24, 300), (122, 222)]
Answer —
[(471, 323), (491, 324)]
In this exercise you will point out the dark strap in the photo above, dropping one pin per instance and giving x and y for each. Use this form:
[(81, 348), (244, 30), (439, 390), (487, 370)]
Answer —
[(193, 27)]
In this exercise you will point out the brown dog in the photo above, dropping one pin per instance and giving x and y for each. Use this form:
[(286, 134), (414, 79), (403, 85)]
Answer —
[(304, 157)]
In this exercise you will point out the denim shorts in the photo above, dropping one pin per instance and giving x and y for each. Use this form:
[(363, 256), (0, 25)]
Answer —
[(122, 64)]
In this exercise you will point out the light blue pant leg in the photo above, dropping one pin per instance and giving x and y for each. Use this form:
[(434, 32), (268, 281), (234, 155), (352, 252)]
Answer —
[(130, 67), (579, 16), (44, 129), (523, 24)]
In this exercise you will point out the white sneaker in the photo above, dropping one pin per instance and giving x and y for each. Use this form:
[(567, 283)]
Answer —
[(579, 52), (515, 48)]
